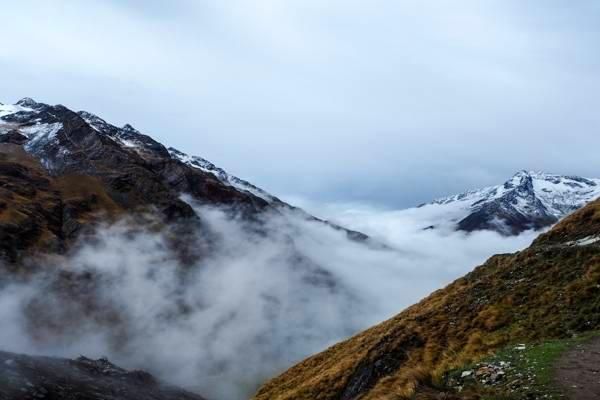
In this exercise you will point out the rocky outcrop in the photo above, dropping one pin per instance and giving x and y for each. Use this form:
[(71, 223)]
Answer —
[(30, 378)]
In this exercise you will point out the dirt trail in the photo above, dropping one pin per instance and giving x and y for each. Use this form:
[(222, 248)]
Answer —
[(578, 371)]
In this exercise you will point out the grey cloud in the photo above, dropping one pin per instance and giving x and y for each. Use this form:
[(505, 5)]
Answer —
[(351, 101)]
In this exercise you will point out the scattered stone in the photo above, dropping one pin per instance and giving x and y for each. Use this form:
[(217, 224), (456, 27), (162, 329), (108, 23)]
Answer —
[(486, 374)]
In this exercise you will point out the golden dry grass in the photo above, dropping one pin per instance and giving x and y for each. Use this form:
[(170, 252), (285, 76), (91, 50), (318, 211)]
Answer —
[(78, 188), (16, 154), (582, 223), (34, 205)]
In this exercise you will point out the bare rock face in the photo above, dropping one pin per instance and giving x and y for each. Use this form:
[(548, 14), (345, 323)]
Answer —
[(29, 378), (13, 137)]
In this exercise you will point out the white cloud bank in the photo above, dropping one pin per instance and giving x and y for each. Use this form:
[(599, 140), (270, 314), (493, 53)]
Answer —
[(265, 298)]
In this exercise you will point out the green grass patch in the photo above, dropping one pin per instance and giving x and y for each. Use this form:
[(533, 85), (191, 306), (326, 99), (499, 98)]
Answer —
[(527, 371)]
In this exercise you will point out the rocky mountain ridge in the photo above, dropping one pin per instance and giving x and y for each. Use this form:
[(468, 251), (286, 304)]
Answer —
[(128, 169)]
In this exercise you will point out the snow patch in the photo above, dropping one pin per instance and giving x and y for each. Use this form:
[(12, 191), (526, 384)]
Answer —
[(40, 134), (206, 166), (128, 143), (585, 241), (8, 109)]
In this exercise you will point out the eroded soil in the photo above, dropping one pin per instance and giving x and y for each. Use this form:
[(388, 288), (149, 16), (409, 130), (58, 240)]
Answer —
[(578, 371)]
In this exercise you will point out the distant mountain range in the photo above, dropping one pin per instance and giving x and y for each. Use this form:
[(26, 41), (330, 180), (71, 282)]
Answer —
[(64, 173), (527, 201), (137, 170)]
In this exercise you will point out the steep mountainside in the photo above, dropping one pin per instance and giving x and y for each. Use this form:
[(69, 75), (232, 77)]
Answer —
[(550, 290), (44, 212), (63, 170), (529, 200)]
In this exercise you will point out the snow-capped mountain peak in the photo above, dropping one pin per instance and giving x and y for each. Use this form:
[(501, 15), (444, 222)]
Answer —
[(528, 200), (40, 124), (28, 102)]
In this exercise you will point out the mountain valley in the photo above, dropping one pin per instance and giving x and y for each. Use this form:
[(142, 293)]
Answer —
[(112, 244)]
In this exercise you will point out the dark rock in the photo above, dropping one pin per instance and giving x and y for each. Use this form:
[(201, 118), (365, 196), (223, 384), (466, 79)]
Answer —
[(13, 137), (369, 372), (28, 377)]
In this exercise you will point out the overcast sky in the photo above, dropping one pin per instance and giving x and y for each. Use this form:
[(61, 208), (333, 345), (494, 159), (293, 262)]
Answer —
[(386, 102)]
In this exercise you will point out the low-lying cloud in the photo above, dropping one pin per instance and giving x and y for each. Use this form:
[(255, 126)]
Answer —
[(263, 298)]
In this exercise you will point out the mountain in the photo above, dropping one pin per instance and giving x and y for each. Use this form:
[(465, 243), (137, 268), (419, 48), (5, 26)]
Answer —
[(62, 172), (528, 200), (538, 299)]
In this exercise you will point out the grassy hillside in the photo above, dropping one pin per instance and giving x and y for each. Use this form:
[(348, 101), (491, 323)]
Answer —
[(548, 291)]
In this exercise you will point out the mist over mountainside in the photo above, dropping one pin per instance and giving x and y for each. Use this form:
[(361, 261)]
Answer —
[(113, 244), (132, 171), (527, 203), (124, 217), (438, 347)]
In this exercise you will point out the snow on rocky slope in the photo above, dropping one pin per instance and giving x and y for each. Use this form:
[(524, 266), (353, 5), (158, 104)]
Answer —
[(206, 166), (28, 118), (136, 170), (130, 137), (528, 200)]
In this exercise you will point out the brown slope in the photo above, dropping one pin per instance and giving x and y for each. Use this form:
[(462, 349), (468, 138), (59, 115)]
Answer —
[(551, 289), (40, 212)]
